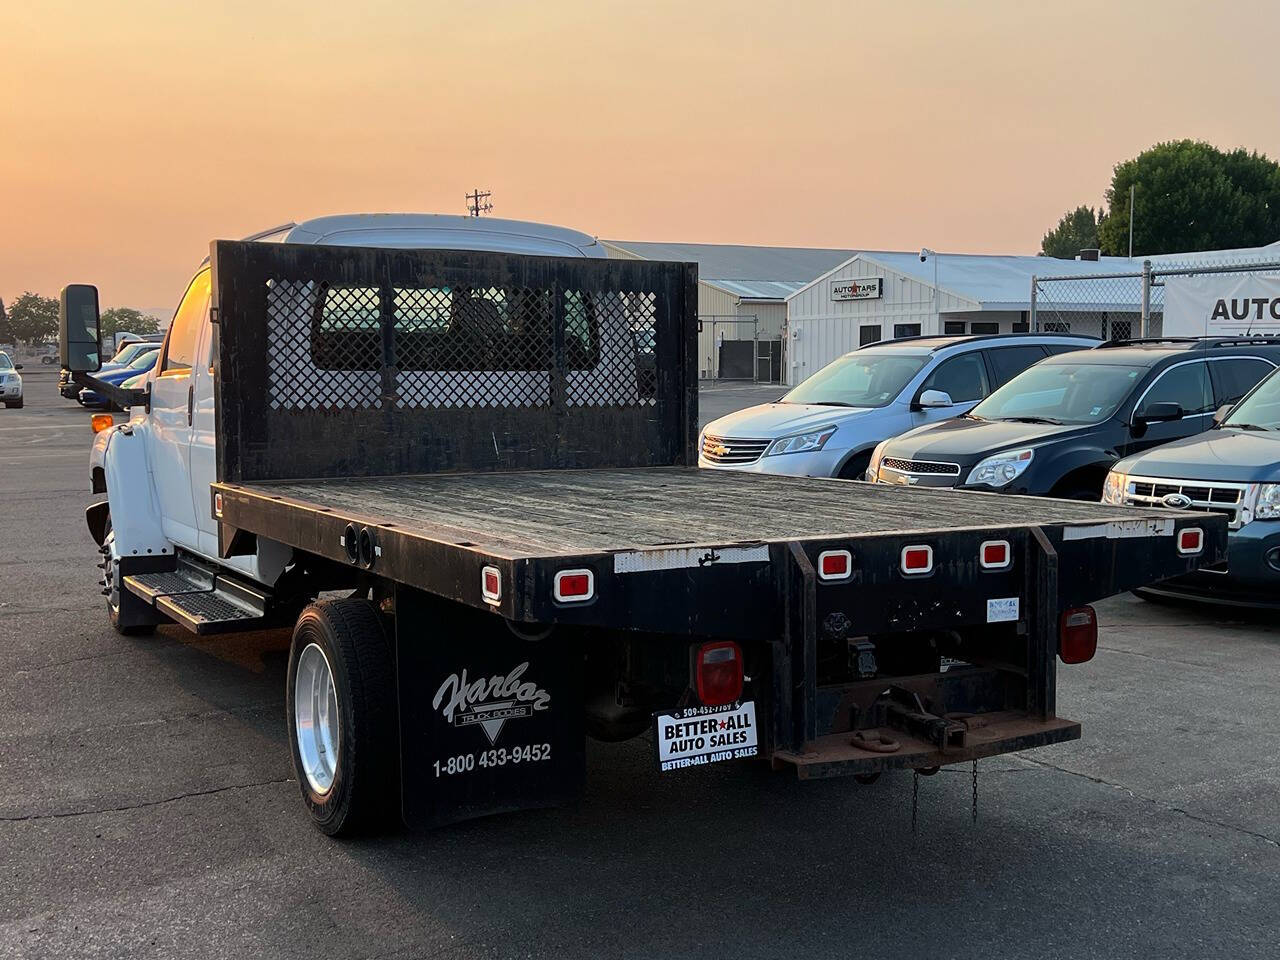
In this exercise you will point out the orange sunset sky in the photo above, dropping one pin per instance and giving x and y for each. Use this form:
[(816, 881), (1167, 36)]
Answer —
[(134, 132)]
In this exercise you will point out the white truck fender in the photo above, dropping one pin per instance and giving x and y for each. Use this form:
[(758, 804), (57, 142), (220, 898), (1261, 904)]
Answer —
[(135, 511)]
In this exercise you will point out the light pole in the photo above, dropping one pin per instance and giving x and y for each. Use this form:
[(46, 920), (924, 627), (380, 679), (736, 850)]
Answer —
[(925, 254)]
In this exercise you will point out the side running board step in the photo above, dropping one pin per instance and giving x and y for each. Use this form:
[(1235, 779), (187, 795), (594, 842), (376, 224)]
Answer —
[(201, 599)]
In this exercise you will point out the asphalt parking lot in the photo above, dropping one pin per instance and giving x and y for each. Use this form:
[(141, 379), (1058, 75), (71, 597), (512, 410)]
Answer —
[(147, 807)]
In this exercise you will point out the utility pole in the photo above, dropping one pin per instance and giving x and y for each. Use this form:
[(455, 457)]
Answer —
[(478, 202)]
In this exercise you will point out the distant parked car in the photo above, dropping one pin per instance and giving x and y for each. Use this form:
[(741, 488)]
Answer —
[(141, 364), (828, 425), (1233, 469), (121, 360), (1057, 428), (10, 382)]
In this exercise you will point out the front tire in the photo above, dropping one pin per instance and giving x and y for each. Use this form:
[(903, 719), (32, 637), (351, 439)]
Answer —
[(16, 405), (117, 597), (341, 707)]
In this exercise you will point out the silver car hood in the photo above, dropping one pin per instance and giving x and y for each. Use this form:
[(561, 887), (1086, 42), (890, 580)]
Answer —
[(769, 420)]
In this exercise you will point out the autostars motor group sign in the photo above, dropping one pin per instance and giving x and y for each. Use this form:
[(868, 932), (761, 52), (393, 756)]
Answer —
[(871, 288)]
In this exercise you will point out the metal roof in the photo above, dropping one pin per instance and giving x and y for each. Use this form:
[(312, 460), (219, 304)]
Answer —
[(773, 290), (731, 261), (996, 282)]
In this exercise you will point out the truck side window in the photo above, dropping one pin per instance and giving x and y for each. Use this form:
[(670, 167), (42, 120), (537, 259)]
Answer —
[(963, 378), (1236, 376), (1187, 385), (180, 346)]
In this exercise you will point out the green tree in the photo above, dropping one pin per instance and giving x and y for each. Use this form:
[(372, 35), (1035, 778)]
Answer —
[(1076, 231), (1190, 195), (33, 318), (127, 320)]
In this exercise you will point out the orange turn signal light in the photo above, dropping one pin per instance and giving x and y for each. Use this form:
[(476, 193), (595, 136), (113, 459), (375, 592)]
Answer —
[(101, 421)]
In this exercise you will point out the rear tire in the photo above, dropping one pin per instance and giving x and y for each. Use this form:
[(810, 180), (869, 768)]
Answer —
[(358, 791)]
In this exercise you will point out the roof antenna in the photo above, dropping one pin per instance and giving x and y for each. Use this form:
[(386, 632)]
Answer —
[(478, 202)]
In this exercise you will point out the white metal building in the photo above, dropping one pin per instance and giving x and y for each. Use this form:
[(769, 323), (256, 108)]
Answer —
[(876, 296), (742, 298)]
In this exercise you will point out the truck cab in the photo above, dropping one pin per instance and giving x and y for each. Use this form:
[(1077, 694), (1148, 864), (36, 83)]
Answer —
[(164, 475)]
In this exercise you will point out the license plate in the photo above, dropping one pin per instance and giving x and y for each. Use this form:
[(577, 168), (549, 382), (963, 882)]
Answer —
[(700, 735)]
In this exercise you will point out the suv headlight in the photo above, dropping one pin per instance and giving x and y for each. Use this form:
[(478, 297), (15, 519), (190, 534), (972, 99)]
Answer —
[(1267, 506), (1113, 490), (800, 442), (1002, 468)]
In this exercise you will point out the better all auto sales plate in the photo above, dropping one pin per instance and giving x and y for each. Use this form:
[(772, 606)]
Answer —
[(701, 735)]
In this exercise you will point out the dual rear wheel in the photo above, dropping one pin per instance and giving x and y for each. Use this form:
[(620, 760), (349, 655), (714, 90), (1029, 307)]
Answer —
[(341, 706)]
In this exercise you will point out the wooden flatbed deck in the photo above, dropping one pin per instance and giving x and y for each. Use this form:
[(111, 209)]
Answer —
[(558, 512)]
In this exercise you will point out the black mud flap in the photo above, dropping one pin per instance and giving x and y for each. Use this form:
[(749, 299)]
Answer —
[(489, 721)]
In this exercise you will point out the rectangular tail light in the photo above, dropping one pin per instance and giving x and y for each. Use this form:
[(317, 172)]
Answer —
[(1078, 635), (574, 586), (1190, 541), (718, 673), (995, 555), (491, 584), (917, 559), (835, 565)]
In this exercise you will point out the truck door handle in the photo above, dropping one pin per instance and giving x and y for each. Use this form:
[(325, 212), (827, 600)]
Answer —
[(191, 403)]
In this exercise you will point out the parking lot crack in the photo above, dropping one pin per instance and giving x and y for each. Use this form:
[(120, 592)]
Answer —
[(1182, 811), (142, 805)]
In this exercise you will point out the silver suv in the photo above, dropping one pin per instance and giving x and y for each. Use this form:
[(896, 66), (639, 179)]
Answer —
[(828, 425)]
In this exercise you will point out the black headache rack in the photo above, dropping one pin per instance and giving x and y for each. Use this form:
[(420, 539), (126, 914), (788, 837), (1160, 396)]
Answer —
[(425, 418)]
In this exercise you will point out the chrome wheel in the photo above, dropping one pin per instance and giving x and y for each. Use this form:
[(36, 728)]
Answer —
[(315, 718)]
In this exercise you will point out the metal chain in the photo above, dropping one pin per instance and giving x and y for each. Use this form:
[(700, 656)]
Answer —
[(975, 791)]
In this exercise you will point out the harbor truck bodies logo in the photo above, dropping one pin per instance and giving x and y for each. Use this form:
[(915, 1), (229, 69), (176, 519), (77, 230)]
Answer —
[(489, 702)]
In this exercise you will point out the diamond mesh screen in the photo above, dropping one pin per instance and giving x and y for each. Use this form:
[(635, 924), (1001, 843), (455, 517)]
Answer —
[(363, 361)]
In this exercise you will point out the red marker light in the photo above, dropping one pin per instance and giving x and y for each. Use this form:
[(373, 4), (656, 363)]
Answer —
[(995, 555), (917, 559), (1190, 541), (491, 584), (1078, 635), (718, 673), (574, 586), (835, 565)]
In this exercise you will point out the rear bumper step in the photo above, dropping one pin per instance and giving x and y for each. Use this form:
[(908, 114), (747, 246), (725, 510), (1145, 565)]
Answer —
[(835, 755)]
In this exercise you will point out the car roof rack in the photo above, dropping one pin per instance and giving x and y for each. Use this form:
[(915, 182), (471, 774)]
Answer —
[(954, 339), (1203, 343)]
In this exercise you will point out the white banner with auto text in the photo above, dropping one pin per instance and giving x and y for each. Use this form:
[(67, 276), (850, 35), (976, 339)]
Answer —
[(1222, 304)]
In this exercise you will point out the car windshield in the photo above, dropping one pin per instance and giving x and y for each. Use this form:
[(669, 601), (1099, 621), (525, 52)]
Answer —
[(1260, 409), (144, 361), (1062, 393), (5, 362), (867, 378)]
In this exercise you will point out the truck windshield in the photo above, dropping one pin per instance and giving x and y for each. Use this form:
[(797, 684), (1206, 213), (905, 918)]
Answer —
[(864, 379), (1259, 410), (1062, 393)]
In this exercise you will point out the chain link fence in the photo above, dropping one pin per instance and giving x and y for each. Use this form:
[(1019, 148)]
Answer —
[(1121, 306), (728, 345)]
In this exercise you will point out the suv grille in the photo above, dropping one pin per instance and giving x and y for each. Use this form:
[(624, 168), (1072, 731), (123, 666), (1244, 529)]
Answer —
[(1219, 497), (733, 449), (933, 467)]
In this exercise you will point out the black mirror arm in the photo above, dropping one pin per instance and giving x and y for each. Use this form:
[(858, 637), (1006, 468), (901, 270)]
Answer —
[(116, 394)]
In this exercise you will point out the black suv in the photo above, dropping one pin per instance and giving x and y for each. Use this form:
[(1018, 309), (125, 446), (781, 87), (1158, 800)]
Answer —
[(1057, 427)]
